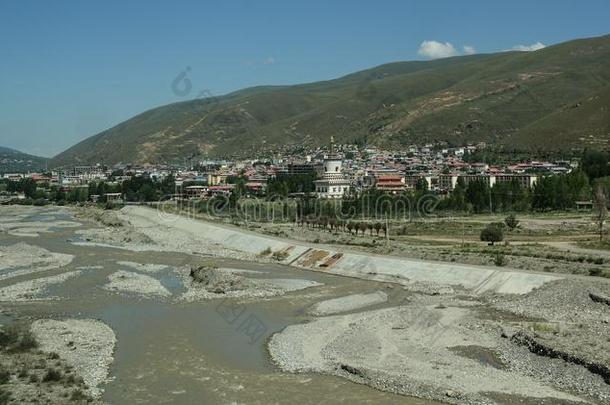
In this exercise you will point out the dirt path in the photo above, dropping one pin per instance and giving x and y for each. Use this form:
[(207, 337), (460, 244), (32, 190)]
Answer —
[(569, 246)]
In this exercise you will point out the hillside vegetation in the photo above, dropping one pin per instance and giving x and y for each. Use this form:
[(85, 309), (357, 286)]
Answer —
[(556, 98), (14, 161)]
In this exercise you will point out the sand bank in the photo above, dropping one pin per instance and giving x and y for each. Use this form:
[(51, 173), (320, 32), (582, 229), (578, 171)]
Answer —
[(85, 344)]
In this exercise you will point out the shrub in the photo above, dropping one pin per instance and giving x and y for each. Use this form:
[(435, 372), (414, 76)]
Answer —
[(265, 252), (27, 341), (595, 272), (500, 260), (8, 336), (598, 260), (492, 233), (5, 397), (78, 395), (511, 221), (279, 255), (52, 375), (5, 375), (17, 338)]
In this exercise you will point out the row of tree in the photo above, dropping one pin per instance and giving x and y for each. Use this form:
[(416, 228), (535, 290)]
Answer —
[(333, 224), (140, 188), (558, 192), (284, 184)]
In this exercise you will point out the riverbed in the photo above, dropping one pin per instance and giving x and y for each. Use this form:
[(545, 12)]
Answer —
[(173, 351), (185, 311)]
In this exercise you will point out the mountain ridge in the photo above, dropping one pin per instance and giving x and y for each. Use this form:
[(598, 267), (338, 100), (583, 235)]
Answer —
[(510, 98), (12, 160)]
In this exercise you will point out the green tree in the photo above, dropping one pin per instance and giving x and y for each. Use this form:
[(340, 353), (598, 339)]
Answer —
[(458, 196), (421, 185), (493, 233), (92, 188), (511, 221), (595, 163), (477, 194), (147, 193)]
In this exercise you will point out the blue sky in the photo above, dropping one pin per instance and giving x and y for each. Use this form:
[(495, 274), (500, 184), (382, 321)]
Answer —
[(69, 69)]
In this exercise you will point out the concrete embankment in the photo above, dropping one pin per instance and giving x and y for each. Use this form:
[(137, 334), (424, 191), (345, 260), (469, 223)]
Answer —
[(164, 227)]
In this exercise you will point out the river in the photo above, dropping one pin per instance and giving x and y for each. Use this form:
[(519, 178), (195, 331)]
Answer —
[(179, 352)]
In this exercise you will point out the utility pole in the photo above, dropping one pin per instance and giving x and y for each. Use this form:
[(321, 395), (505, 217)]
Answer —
[(387, 230), (463, 233), (491, 211)]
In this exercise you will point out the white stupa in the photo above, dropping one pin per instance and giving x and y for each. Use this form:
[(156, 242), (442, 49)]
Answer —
[(332, 182)]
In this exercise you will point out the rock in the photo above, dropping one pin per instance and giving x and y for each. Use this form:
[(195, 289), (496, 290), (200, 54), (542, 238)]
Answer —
[(353, 370), (597, 297), (218, 281)]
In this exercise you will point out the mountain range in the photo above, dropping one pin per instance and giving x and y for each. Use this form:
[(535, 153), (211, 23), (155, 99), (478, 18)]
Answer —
[(12, 160), (556, 98)]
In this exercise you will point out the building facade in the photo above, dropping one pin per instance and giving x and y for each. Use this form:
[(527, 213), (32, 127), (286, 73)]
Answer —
[(332, 182)]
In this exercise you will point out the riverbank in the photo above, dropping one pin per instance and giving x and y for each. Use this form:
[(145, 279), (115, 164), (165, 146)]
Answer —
[(177, 233)]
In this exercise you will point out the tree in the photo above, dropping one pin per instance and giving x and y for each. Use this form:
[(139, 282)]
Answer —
[(168, 185), (477, 194), (601, 210), (458, 196), (350, 226), (284, 184), (363, 227), (511, 221), (377, 226), (595, 164), (421, 185), (493, 233), (92, 188), (147, 193)]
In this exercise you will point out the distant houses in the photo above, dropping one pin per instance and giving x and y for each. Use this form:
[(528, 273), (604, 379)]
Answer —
[(332, 173)]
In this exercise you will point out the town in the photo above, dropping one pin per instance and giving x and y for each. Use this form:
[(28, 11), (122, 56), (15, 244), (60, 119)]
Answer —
[(332, 172)]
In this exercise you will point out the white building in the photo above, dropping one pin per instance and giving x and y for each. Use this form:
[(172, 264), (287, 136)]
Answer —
[(332, 182)]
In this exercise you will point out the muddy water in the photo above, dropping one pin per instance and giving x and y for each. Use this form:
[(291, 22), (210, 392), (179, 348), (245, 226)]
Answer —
[(173, 352)]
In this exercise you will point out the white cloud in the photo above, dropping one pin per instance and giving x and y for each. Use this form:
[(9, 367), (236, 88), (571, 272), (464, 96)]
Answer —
[(436, 50), (469, 50), (269, 61), (528, 48)]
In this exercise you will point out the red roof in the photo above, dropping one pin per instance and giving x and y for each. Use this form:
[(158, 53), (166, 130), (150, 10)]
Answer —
[(389, 178), (225, 187)]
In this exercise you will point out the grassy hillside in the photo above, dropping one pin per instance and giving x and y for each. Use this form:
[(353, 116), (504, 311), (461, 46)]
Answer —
[(14, 161), (519, 99)]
